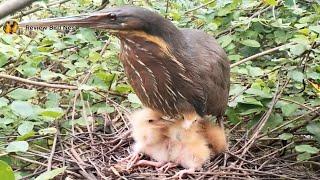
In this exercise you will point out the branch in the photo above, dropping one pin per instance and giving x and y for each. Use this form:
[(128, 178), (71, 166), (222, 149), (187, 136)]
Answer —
[(260, 54), (27, 81), (206, 4), (12, 6)]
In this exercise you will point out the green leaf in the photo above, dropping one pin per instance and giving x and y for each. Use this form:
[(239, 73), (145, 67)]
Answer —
[(258, 92), (296, 75), (298, 49), (54, 113), (255, 71), (289, 109), (123, 88), (22, 109), (224, 41), (51, 174), (271, 2), (253, 101), (22, 94), (3, 102), (315, 28), (285, 136), (17, 146), (303, 156), (25, 128), (250, 43), (306, 148), (46, 131), (133, 98), (3, 59), (314, 128), (6, 172)]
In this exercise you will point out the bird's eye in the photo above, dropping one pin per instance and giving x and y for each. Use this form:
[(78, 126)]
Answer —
[(150, 120), (112, 16)]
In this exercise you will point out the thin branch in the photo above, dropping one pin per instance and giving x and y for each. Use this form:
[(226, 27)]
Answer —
[(53, 149), (199, 7), (260, 54), (43, 84)]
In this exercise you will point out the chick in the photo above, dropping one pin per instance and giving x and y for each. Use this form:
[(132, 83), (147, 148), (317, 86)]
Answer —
[(215, 136), (149, 132), (187, 147), (169, 141)]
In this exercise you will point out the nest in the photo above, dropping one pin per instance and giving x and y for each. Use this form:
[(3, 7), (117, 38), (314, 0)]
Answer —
[(95, 152)]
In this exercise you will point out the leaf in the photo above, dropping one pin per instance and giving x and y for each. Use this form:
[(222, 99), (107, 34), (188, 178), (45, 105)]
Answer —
[(271, 2), (133, 98), (285, 136), (289, 109), (258, 92), (3, 59), (224, 41), (315, 28), (123, 88), (22, 109), (17, 146), (250, 43), (6, 172), (54, 113), (47, 131), (255, 71), (298, 49), (296, 75), (303, 156), (22, 94), (314, 128), (306, 148), (25, 128), (253, 101), (3, 102), (51, 174)]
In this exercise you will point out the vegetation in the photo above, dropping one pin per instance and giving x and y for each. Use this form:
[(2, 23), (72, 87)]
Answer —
[(274, 107)]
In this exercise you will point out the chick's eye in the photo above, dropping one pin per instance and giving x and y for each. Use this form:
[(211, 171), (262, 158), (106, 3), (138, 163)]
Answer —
[(112, 16), (150, 120)]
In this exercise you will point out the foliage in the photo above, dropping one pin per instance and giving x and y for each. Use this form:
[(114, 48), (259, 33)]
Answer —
[(242, 27)]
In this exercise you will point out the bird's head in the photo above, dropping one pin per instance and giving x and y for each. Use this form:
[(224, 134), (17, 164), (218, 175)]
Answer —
[(117, 19), (148, 119)]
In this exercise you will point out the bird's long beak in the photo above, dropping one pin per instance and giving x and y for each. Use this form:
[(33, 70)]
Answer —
[(94, 20)]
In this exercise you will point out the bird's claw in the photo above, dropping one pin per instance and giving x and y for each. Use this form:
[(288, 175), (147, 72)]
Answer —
[(181, 173), (131, 160), (166, 167)]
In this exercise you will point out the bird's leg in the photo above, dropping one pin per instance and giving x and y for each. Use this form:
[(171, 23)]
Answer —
[(220, 120), (181, 173), (189, 118), (167, 166), (149, 163), (132, 159)]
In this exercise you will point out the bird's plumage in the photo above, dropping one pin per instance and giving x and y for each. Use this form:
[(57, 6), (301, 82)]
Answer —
[(175, 71)]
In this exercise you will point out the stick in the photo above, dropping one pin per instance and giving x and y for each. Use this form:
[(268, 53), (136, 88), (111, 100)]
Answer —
[(10, 7), (260, 54)]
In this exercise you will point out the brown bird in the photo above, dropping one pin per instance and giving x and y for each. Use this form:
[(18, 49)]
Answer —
[(173, 71)]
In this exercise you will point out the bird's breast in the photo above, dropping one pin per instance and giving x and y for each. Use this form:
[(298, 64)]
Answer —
[(152, 74)]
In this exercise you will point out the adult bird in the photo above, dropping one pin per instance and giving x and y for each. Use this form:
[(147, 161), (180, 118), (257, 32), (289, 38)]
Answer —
[(173, 71)]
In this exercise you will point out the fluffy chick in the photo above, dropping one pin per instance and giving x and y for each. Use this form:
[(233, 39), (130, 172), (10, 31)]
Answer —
[(187, 147), (215, 136), (149, 132), (169, 141)]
